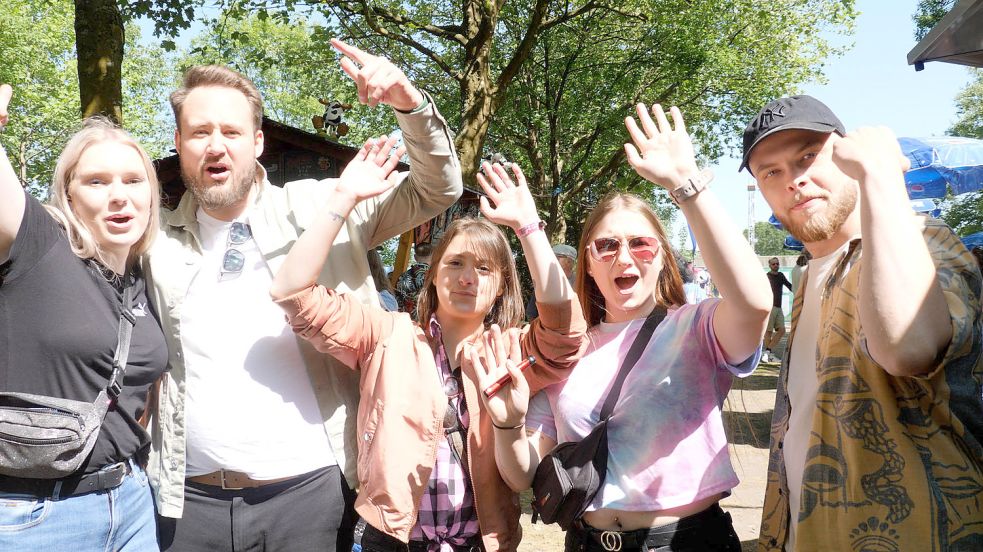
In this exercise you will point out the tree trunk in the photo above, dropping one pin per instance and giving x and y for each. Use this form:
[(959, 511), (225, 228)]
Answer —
[(99, 42)]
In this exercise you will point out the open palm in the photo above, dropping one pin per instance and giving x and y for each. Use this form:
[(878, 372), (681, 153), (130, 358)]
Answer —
[(507, 408), (506, 202), (369, 173), (660, 153)]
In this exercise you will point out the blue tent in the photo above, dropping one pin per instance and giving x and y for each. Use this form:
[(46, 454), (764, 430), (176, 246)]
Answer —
[(940, 162)]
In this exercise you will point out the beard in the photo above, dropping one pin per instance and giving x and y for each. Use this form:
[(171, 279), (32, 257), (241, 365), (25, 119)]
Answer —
[(217, 197), (821, 226)]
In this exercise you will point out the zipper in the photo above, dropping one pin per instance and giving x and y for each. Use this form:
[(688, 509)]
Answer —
[(32, 441), (50, 410)]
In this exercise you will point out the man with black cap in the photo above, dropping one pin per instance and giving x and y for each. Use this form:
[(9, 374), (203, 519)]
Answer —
[(876, 436)]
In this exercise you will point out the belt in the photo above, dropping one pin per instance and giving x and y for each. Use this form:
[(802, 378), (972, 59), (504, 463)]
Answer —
[(643, 539), (108, 477), (233, 481)]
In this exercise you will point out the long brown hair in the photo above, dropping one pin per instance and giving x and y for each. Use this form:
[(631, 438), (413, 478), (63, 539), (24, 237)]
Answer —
[(489, 243), (669, 288)]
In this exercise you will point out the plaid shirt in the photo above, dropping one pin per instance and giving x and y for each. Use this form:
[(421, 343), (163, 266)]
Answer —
[(447, 514)]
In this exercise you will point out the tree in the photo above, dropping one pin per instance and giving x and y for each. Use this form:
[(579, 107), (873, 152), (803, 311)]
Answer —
[(566, 109), (293, 65), (928, 13), (768, 239), (99, 43), (45, 107)]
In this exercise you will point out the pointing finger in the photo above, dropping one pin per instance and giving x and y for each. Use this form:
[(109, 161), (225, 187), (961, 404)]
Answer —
[(351, 51)]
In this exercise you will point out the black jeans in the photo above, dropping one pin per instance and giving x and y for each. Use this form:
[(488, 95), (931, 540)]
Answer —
[(708, 531), (373, 540), (311, 512)]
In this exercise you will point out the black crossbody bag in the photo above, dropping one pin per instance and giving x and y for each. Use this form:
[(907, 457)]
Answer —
[(569, 477), (48, 437)]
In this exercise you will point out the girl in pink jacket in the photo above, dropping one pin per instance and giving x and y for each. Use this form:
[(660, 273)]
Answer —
[(426, 464)]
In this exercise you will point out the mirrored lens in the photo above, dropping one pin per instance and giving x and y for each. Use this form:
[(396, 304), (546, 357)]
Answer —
[(233, 261), (605, 249), (643, 248), (239, 233)]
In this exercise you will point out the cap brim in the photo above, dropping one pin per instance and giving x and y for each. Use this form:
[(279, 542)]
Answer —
[(817, 127)]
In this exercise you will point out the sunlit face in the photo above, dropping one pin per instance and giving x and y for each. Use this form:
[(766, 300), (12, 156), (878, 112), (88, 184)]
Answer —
[(466, 284), (627, 282), (110, 193), (809, 195), (218, 147)]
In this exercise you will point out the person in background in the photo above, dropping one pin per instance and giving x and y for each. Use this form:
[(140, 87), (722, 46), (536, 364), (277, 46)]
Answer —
[(410, 283), (567, 256), (877, 428), (382, 285), (65, 266), (776, 320), (800, 265)]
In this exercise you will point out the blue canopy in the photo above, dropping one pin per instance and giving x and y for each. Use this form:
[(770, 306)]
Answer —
[(973, 240), (942, 161)]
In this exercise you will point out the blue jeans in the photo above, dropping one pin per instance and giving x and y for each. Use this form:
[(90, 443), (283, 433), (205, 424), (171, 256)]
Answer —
[(120, 519)]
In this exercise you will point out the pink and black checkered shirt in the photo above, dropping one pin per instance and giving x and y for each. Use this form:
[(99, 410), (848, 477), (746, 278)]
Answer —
[(447, 514)]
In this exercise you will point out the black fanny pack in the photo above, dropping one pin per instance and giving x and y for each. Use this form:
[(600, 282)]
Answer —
[(569, 477), (49, 438)]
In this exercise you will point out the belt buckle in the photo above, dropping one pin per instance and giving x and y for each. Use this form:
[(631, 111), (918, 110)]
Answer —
[(611, 541), (112, 476), (226, 487)]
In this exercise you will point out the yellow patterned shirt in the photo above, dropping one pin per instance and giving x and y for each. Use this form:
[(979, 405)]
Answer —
[(894, 463)]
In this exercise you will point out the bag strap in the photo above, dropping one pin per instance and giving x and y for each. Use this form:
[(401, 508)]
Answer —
[(126, 323), (634, 353)]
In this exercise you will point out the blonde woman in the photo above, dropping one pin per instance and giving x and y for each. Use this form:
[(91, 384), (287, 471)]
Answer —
[(64, 268)]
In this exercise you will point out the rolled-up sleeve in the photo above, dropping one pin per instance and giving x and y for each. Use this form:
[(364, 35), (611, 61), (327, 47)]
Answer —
[(336, 323), (557, 338), (432, 185)]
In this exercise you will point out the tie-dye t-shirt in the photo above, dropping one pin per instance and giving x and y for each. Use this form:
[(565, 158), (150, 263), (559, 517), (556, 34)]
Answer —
[(666, 442)]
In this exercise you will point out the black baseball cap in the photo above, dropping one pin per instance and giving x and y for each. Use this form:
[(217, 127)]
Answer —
[(794, 112)]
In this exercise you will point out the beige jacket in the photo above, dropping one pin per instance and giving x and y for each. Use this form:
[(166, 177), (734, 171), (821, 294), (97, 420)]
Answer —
[(402, 408), (278, 217)]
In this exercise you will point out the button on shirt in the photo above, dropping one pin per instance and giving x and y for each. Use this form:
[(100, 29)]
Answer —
[(447, 515)]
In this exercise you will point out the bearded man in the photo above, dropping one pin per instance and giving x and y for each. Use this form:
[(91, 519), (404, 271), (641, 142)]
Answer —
[(876, 435), (254, 433)]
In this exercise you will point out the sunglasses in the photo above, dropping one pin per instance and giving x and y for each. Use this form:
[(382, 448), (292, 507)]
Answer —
[(642, 248), (234, 260)]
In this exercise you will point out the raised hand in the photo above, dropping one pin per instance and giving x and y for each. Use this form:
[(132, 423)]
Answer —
[(508, 407), (377, 79), (5, 93), (373, 169), (660, 153), (868, 150), (513, 202)]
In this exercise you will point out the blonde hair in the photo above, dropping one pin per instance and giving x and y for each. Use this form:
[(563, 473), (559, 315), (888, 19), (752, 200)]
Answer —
[(96, 130), (489, 243), (669, 288), (221, 76)]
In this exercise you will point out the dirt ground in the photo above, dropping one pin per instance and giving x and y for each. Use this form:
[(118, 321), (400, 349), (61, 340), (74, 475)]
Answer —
[(747, 417)]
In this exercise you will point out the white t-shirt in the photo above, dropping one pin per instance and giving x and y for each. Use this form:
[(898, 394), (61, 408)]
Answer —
[(250, 403), (803, 385)]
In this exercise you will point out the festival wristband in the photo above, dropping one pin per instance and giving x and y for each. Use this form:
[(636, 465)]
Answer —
[(530, 228)]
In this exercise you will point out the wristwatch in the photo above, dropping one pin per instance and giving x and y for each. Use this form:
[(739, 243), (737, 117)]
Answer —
[(693, 186)]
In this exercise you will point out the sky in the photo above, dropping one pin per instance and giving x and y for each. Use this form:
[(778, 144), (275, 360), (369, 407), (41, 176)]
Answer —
[(871, 84)]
